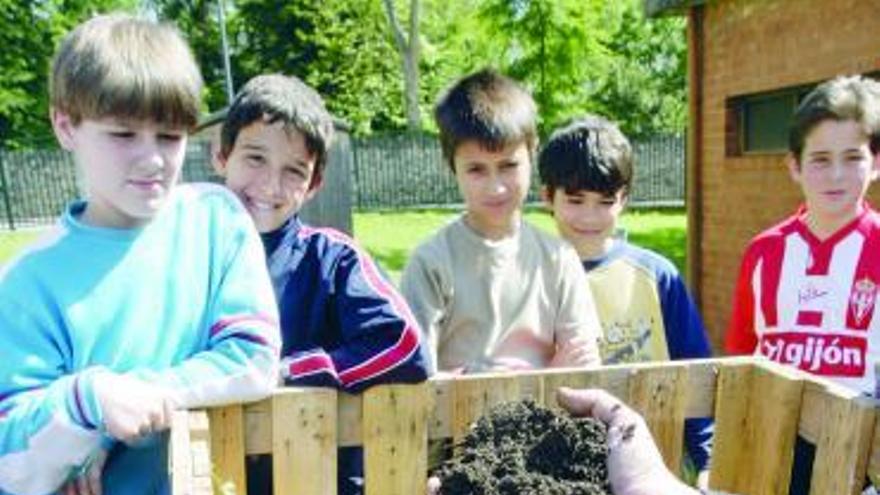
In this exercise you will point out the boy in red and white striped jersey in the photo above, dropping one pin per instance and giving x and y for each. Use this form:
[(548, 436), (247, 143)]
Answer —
[(807, 289)]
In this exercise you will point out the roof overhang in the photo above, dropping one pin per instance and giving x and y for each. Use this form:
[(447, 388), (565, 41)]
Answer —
[(656, 8)]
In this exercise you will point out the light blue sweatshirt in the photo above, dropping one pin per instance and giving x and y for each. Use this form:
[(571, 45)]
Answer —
[(184, 301)]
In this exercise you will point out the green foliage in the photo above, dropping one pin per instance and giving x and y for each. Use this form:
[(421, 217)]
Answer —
[(644, 88), (593, 56), (556, 46), (29, 32), (197, 19), (575, 55), (340, 47)]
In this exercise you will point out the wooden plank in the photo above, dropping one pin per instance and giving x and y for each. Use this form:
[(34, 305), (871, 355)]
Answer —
[(227, 448), (200, 443), (473, 395), (540, 385), (874, 456), (702, 374), (258, 427), (660, 395), (348, 423), (440, 421), (396, 439), (758, 409), (304, 441), (179, 455), (843, 444), (554, 380)]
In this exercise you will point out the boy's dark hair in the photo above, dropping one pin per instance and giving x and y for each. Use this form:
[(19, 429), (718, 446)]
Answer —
[(853, 98), (489, 108), (274, 98), (588, 154), (120, 66)]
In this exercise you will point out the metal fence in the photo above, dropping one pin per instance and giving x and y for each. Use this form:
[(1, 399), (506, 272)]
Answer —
[(390, 171), (408, 170)]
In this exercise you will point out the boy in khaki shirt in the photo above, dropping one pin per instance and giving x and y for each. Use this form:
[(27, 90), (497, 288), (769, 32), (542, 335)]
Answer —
[(490, 291)]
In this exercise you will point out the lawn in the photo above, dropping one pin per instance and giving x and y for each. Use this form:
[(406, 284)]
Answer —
[(12, 242), (390, 235)]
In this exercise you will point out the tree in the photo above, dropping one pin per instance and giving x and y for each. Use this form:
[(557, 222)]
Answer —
[(554, 46), (29, 32), (408, 48), (645, 86), (593, 56)]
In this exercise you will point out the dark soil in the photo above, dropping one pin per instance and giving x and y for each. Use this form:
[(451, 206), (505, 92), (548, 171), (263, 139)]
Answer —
[(522, 448)]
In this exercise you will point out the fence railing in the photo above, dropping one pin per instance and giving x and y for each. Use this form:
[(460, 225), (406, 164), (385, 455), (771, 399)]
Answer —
[(759, 407), (408, 170), (387, 171)]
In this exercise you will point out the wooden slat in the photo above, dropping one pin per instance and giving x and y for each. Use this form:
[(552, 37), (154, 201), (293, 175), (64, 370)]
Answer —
[(179, 455), (757, 416), (395, 439), (536, 384), (660, 395), (227, 448), (474, 395), (348, 422), (258, 427), (572, 379), (304, 442), (701, 379), (846, 431), (874, 456), (200, 443), (440, 422)]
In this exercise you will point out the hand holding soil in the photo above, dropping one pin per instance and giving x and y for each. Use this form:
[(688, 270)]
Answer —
[(635, 466), (523, 448)]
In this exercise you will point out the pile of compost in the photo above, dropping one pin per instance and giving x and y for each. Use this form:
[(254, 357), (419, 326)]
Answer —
[(522, 448)]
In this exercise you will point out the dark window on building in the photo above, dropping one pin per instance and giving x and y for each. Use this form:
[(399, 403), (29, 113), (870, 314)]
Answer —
[(758, 123)]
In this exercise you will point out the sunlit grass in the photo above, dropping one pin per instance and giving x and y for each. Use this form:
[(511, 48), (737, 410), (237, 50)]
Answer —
[(390, 236)]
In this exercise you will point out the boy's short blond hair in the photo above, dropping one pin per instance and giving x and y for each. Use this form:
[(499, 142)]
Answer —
[(120, 66)]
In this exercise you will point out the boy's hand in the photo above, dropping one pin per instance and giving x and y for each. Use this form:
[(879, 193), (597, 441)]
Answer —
[(132, 408), (89, 481), (577, 352), (635, 465)]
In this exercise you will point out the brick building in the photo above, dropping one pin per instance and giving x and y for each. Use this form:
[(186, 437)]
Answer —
[(749, 63)]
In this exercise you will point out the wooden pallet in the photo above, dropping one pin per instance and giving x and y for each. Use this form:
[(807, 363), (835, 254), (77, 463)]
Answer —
[(759, 408)]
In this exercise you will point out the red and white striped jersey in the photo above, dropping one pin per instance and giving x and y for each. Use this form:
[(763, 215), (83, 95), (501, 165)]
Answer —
[(812, 303)]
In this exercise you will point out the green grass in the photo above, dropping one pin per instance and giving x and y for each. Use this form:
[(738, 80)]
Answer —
[(391, 235), (11, 242)]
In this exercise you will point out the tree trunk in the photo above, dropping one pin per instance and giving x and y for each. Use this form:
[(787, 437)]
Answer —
[(408, 48)]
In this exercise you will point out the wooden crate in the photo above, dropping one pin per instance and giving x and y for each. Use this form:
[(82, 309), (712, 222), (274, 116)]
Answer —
[(759, 408)]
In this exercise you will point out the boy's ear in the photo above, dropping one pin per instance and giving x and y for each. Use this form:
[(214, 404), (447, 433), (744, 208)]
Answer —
[(547, 197), (793, 166), (875, 166), (315, 186), (63, 127), (218, 160)]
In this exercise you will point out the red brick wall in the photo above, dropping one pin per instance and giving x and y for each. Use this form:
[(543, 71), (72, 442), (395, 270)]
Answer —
[(752, 46)]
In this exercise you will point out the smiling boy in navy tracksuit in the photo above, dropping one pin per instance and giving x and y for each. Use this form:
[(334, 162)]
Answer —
[(343, 324)]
